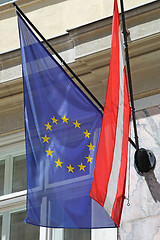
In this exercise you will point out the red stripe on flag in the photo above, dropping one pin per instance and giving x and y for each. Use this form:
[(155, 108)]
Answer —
[(105, 151), (109, 180)]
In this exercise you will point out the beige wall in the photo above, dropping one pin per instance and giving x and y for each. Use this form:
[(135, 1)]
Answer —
[(53, 18)]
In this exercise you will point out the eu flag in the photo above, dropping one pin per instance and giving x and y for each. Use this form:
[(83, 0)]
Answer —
[(62, 130)]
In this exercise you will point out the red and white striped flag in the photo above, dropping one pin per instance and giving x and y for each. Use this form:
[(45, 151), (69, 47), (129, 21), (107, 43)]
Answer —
[(108, 187)]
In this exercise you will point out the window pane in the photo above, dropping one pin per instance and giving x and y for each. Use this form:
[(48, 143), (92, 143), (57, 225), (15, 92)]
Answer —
[(2, 170), (19, 174), (0, 227), (78, 234), (5, 1), (19, 230)]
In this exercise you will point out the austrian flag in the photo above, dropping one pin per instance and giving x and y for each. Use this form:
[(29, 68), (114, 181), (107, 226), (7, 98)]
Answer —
[(108, 187)]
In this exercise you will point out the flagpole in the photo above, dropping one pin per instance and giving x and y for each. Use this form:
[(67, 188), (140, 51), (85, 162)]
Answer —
[(59, 57), (129, 76)]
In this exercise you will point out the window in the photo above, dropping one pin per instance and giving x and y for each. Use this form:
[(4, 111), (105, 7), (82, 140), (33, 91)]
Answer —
[(78, 234), (12, 226), (0, 226), (2, 170), (19, 174), (3, 2), (13, 184), (19, 230)]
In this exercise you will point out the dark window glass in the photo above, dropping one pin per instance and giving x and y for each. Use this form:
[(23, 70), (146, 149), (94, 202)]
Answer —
[(78, 234), (0, 227), (19, 230), (5, 1), (19, 174), (2, 170)]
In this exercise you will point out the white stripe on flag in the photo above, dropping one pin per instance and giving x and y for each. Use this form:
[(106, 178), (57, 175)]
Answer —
[(114, 176)]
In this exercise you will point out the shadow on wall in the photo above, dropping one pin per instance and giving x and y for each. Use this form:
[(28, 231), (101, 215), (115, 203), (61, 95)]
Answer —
[(153, 185)]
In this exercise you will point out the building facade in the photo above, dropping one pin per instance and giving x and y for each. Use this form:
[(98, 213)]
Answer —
[(80, 31)]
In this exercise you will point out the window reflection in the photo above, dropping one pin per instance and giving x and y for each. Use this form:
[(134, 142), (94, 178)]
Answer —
[(19, 174), (19, 230), (78, 234), (2, 172), (0, 227)]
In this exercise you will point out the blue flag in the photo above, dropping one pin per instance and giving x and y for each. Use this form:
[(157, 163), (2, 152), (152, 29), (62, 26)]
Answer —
[(62, 129)]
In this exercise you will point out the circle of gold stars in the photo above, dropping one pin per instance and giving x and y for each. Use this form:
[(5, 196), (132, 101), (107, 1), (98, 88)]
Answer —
[(50, 151)]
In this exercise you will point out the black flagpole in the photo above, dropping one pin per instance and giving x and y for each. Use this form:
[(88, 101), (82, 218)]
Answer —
[(59, 57), (129, 75), (63, 62)]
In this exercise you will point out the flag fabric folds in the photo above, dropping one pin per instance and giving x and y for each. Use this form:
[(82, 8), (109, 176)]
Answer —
[(62, 130), (108, 187)]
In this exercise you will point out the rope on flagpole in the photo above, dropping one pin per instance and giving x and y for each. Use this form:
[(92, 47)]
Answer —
[(129, 169)]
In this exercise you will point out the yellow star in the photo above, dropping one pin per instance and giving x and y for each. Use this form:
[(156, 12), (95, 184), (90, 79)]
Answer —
[(54, 120), (59, 163), (77, 124), (89, 159), (81, 167), (45, 139), (91, 147), (70, 168), (49, 152), (65, 120), (86, 134), (48, 126)]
